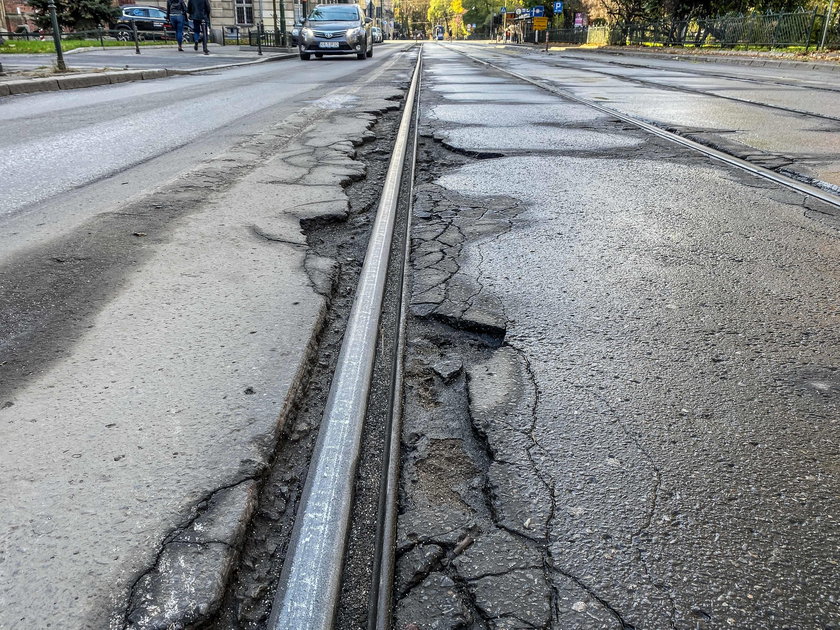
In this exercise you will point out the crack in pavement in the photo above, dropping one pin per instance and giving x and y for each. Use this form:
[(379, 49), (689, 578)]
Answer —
[(647, 521)]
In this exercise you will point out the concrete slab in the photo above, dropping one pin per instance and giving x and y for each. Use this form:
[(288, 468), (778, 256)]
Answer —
[(72, 82), (533, 138), (124, 77), (28, 86), (159, 73), (109, 464)]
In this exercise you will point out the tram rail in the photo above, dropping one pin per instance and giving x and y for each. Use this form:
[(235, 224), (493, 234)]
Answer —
[(309, 588), (745, 101), (715, 74), (826, 196)]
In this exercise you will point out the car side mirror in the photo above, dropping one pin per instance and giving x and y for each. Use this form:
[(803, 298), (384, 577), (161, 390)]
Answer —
[(368, 20)]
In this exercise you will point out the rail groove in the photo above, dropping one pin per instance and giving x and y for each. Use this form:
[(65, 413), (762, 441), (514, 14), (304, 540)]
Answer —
[(310, 583)]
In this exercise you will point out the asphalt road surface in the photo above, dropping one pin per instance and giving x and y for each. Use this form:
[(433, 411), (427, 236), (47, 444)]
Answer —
[(158, 304), (622, 374), (623, 403)]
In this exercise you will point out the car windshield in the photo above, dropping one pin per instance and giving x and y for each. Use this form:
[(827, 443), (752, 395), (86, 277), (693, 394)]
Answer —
[(334, 13)]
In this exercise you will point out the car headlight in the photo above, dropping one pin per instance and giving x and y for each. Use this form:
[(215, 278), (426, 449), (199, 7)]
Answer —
[(295, 32), (307, 32), (355, 33)]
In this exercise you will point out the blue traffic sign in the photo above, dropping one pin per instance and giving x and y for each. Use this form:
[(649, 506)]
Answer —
[(538, 12), (503, 10), (558, 7)]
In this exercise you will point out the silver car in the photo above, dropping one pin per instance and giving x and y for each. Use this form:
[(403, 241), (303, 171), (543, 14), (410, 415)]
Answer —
[(336, 29)]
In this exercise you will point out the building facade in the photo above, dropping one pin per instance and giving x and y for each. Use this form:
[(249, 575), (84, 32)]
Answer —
[(15, 15), (228, 15)]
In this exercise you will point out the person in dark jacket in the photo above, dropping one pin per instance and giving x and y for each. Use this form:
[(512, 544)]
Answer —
[(199, 11), (176, 15)]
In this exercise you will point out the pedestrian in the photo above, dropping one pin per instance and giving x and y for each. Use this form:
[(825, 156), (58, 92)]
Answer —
[(176, 15), (199, 11)]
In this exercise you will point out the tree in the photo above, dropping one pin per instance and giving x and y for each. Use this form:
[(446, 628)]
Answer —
[(75, 14), (439, 12), (411, 14)]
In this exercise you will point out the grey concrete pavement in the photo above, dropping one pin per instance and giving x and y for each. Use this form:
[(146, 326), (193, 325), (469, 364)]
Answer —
[(125, 58), (640, 427), (108, 66), (153, 345)]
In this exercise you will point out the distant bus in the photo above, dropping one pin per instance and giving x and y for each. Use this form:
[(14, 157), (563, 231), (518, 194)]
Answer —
[(439, 32)]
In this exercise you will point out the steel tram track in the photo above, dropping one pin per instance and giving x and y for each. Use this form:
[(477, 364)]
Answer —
[(676, 88), (714, 75), (309, 589), (759, 171)]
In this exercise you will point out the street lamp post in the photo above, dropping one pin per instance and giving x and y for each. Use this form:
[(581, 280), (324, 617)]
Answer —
[(827, 20), (56, 37)]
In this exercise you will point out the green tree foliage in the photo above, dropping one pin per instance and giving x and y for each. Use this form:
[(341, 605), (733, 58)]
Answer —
[(75, 14), (439, 12), (652, 10)]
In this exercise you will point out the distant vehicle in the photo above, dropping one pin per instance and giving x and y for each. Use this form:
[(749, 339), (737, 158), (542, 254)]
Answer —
[(376, 33), (150, 22), (336, 29), (439, 32)]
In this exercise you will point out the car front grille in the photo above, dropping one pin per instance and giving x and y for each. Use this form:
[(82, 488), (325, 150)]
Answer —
[(329, 34)]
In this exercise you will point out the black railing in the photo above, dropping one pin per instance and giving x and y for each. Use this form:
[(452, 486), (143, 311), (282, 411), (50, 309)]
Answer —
[(270, 39), (799, 29), (764, 30)]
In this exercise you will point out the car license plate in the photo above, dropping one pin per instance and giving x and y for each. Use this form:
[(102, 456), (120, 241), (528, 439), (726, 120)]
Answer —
[(327, 44)]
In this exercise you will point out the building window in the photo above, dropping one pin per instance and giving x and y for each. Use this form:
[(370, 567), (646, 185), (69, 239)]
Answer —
[(244, 12)]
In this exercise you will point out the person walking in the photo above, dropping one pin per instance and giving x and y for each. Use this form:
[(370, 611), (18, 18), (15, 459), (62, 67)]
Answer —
[(199, 11), (176, 15)]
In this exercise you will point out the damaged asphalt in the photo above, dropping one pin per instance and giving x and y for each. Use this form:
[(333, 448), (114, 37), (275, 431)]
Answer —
[(621, 386), (137, 433)]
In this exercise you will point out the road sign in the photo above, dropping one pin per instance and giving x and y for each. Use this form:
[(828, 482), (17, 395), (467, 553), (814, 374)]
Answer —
[(525, 13), (538, 12), (540, 23), (558, 7), (503, 10), (518, 11)]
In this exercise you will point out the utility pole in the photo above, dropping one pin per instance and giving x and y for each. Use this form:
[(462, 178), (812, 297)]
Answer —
[(827, 21), (59, 54)]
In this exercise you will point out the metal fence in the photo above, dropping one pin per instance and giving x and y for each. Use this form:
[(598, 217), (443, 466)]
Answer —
[(802, 28), (270, 39), (772, 30), (102, 36)]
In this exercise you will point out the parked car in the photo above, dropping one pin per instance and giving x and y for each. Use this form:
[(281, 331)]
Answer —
[(150, 22), (336, 29), (376, 33)]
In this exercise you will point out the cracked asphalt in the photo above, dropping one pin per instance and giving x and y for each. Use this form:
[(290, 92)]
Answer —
[(622, 380), (622, 376), (152, 349)]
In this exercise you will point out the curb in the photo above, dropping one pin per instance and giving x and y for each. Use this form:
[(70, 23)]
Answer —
[(92, 79)]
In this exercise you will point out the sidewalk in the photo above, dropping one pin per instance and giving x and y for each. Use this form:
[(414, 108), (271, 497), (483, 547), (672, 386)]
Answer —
[(104, 66)]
